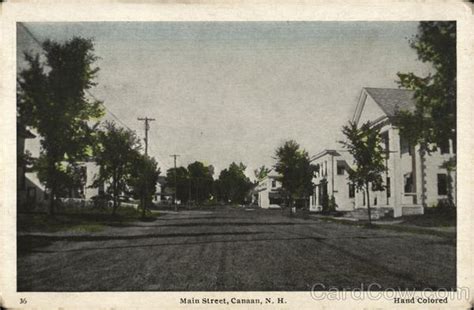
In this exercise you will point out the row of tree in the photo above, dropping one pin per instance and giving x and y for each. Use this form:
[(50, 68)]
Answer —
[(53, 99), (196, 183)]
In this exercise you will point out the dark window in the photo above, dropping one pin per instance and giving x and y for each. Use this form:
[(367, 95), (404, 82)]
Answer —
[(405, 147), (363, 198), (325, 168), (351, 190), (408, 178), (454, 145), (442, 184), (340, 169), (444, 147), (375, 201), (274, 183)]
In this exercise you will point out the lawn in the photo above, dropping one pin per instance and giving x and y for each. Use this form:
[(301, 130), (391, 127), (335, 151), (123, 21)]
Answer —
[(232, 249)]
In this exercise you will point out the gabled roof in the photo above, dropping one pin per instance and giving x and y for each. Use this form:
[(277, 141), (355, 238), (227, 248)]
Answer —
[(322, 153), (392, 100)]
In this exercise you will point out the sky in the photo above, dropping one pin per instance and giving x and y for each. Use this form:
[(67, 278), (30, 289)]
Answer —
[(235, 91)]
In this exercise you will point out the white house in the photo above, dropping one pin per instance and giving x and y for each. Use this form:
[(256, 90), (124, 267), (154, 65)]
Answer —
[(269, 192), (331, 179), (414, 180)]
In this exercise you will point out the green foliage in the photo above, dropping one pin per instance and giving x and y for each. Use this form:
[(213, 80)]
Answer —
[(143, 180), (364, 144), (116, 152), (201, 181), (69, 176), (434, 120), (52, 99), (295, 171), (183, 183), (329, 204), (261, 173), (233, 185)]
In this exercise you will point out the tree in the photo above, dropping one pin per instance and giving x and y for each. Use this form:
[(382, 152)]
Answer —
[(52, 99), (295, 172), (116, 151), (201, 180), (364, 144), (434, 120), (143, 180), (433, 123), (182, 182), (261, 173), (233, 185)]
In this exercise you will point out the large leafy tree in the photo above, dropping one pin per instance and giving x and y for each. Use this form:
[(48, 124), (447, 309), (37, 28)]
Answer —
[(52, 99), (143, 180), (183, 182), (233, 185), (201, 180), (433, 122), (116, 151), (364, 144), (295, 172)]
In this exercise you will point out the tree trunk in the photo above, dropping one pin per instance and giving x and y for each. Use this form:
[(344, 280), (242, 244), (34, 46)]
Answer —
[(368, 203), (114, 193), (144, 203), (52, 200)]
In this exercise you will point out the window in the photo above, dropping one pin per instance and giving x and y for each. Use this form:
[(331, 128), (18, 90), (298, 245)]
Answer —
[(363, 198), (404, 146), (442, 184), (340, 168), (444, 147), (325, 168), (274, 183), (375, 201), (408, 178), (351, 190)]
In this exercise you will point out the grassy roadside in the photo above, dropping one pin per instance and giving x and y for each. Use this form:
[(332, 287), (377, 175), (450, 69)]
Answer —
[(406, 227), (75, 220)]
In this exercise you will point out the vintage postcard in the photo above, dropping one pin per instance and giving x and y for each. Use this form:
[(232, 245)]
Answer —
[(221, 155)]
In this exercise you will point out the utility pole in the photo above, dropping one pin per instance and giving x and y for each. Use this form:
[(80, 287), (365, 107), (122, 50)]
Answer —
[(175, 181), (147, 127)]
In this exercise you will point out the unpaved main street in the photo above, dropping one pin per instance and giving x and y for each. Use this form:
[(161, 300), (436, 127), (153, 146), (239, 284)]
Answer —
[(233, 250)]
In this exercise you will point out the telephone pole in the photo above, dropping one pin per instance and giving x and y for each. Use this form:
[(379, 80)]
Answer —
[(147, 127), (175, 181)]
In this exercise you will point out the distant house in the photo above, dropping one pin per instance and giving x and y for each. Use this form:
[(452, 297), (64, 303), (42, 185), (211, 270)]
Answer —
[(331, 179), (29, 190), (269, 192), (413, 180)]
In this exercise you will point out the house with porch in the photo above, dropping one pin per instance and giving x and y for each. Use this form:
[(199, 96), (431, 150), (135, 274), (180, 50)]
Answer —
[(331, 180), (414, 180), (269, 192)]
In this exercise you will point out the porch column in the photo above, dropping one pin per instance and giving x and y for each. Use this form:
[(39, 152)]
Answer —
[(397, 178)]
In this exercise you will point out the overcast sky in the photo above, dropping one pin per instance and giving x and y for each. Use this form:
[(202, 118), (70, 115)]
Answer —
[(235, 91)]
